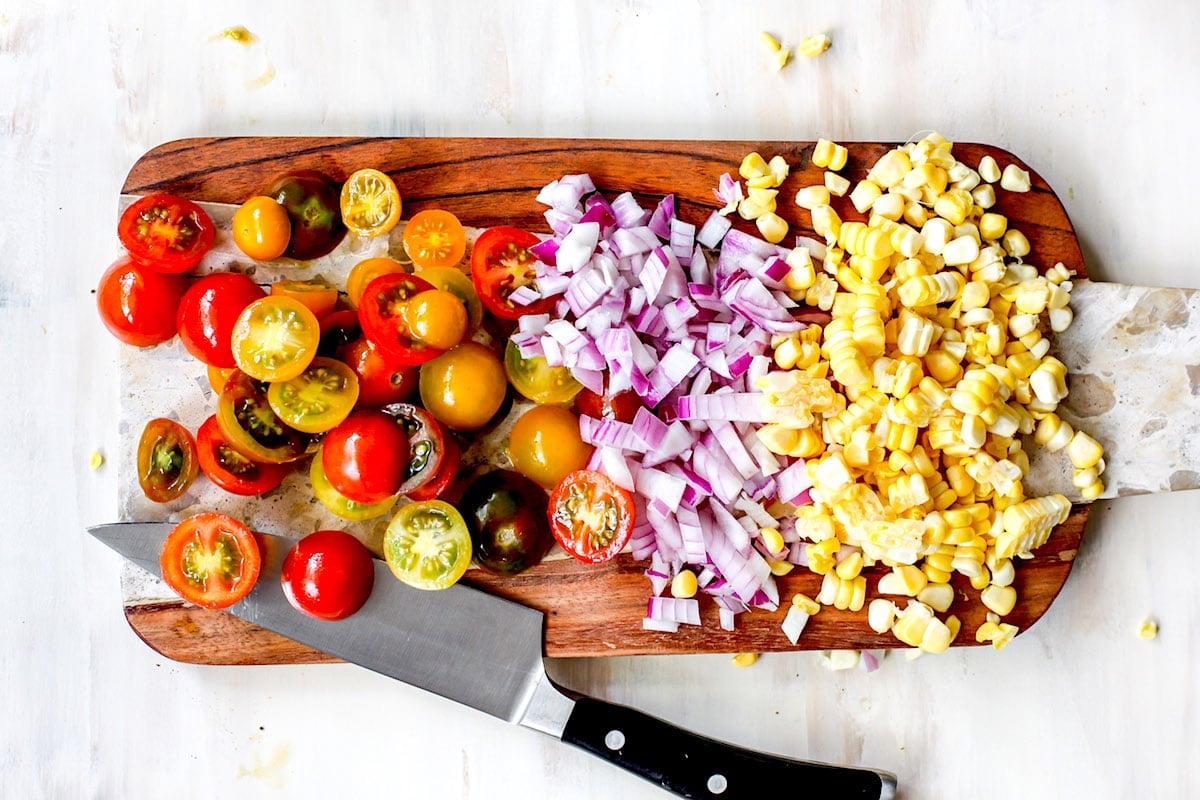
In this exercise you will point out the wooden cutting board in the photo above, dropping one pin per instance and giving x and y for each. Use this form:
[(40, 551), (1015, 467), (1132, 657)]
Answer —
[(590, 610)]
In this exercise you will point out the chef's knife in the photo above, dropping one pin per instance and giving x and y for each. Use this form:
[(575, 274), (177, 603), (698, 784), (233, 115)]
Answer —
[(443, 641)]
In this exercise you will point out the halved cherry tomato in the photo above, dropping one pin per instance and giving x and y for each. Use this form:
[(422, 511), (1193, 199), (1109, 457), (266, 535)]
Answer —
[(340, 505), (464, 387), (275, 338), (438, 487), (208, 312), (166, 233), (368, 270), (261, 228), (338, 328), (370, 203), (426, 444), (137, 304), (250, 425), (622, 406), (435, 238), (453, 280), (219, 376), (382, 314), (311, 202), (166, 460), (328, 575), (501, 262), (229, 469), (536, 379), (427, 544), (379, 383), (366, 457), (317, 399), (318, 294), (590, 516), (211, 560), (545, 445)]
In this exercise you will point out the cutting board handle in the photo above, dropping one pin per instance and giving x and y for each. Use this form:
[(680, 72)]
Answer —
[(690, 765)]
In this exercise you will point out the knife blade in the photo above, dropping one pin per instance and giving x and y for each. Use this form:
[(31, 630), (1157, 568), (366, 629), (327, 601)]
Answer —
[(442, 641)]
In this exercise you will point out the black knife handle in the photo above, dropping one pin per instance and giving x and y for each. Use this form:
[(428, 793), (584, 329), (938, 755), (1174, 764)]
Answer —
[(698, 767)]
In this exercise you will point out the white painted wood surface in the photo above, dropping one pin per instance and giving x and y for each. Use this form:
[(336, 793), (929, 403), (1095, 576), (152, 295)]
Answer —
[(1099, 97)]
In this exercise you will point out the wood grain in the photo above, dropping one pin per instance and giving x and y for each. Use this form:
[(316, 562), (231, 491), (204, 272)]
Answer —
[(590, 611)]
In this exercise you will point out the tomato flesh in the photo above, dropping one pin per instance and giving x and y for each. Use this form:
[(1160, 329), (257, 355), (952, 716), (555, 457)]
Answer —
[(427, 545), (166, 233), (328, 574), (138, 305), (167, 460), (317, 399), (590, 516), (435, 238), (211, 560), (275, 338), (229, 469), (500, 263)]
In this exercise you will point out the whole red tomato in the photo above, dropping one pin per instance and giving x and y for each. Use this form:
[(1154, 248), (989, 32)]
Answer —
[(207, 314), (138, 304), (379, 383), (328, 575), (366, 457)]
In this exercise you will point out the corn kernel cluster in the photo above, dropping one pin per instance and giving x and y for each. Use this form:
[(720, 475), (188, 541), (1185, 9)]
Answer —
[(910, 404)]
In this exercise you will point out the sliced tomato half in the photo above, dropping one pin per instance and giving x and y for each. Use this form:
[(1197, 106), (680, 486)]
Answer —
[(252, 427), (501, 263), (426, 444), (229, 469), (166, 233), (166, 460), (590, 516), (381, 312), (211, 560)]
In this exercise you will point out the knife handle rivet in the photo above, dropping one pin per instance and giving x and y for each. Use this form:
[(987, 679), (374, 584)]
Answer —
[(717, 784), (614, 740)]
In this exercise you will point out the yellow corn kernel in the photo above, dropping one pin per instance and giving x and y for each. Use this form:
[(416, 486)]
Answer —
[(881, 615), (772, 540), (826, 223), (836, 184), (805, 603), (890, 169), (937, 636), (1015, 179), (96, 460), (827, 154), (753, 166), (1002, 571), (1093, 491), (989, 170), (802, 274), (850, 566), (1027, 525), (821, 555), (904, 579), (937, 596), (780, 566), (684, 584), (999, 599), (864, 195), (954, 206), (960, 250), (862, 240), (810, 197), (992, 226), (1148, 630), (1015, 243), (745, 659), (1053, 433), (813, 46), (975, 392), (1084, 451), (772, 227), (911, 623)]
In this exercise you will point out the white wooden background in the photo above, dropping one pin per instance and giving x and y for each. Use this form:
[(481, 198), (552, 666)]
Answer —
[(1100, 97)]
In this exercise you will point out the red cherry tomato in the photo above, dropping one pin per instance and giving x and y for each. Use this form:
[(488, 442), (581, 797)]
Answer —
[(211, 560), (328, 575), (621, 406), (590, 516), (229, 469), (137, 304), (382, 314), (208, 311), (365, 457), (500, 263), (166, 233), (379, 383)]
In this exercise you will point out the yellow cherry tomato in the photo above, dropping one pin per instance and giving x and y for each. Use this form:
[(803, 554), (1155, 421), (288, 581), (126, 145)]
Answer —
[(456, 282), (537, 380), (261, 228), (464, 387), (435, 317), (435, 238), (275, 338), (545, 445), (370, 203), (366, 271)]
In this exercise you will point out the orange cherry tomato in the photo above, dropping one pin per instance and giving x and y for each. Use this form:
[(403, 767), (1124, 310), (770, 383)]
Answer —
[(318, 294), (464, 387), (435, 238), (545, 445), (211, 560), (261, 228)]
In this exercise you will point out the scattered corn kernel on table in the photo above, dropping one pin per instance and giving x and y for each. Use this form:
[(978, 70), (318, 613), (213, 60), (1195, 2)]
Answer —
[(1080, 705)]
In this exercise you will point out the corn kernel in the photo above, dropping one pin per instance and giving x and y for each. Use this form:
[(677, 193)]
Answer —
[(890, 169), (813, 46), (989, 170), (992, 226), (96, 460), (1015, 243), (805, 603), (850, 566), (881, 615), (937, 596), (1015, 179), (984, 196), (1148, 629), (1084, 451), (772, 227), (684, 584), (809, 197), (936, 637), (826, 223), (780, 566), (836, 184), (753, 166), (745, 659), (864, 195), (822, 154)]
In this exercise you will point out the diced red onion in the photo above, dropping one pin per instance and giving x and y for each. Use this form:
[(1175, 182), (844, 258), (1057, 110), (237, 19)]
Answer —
[(664, 214), (628, 212), (674, 609)]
